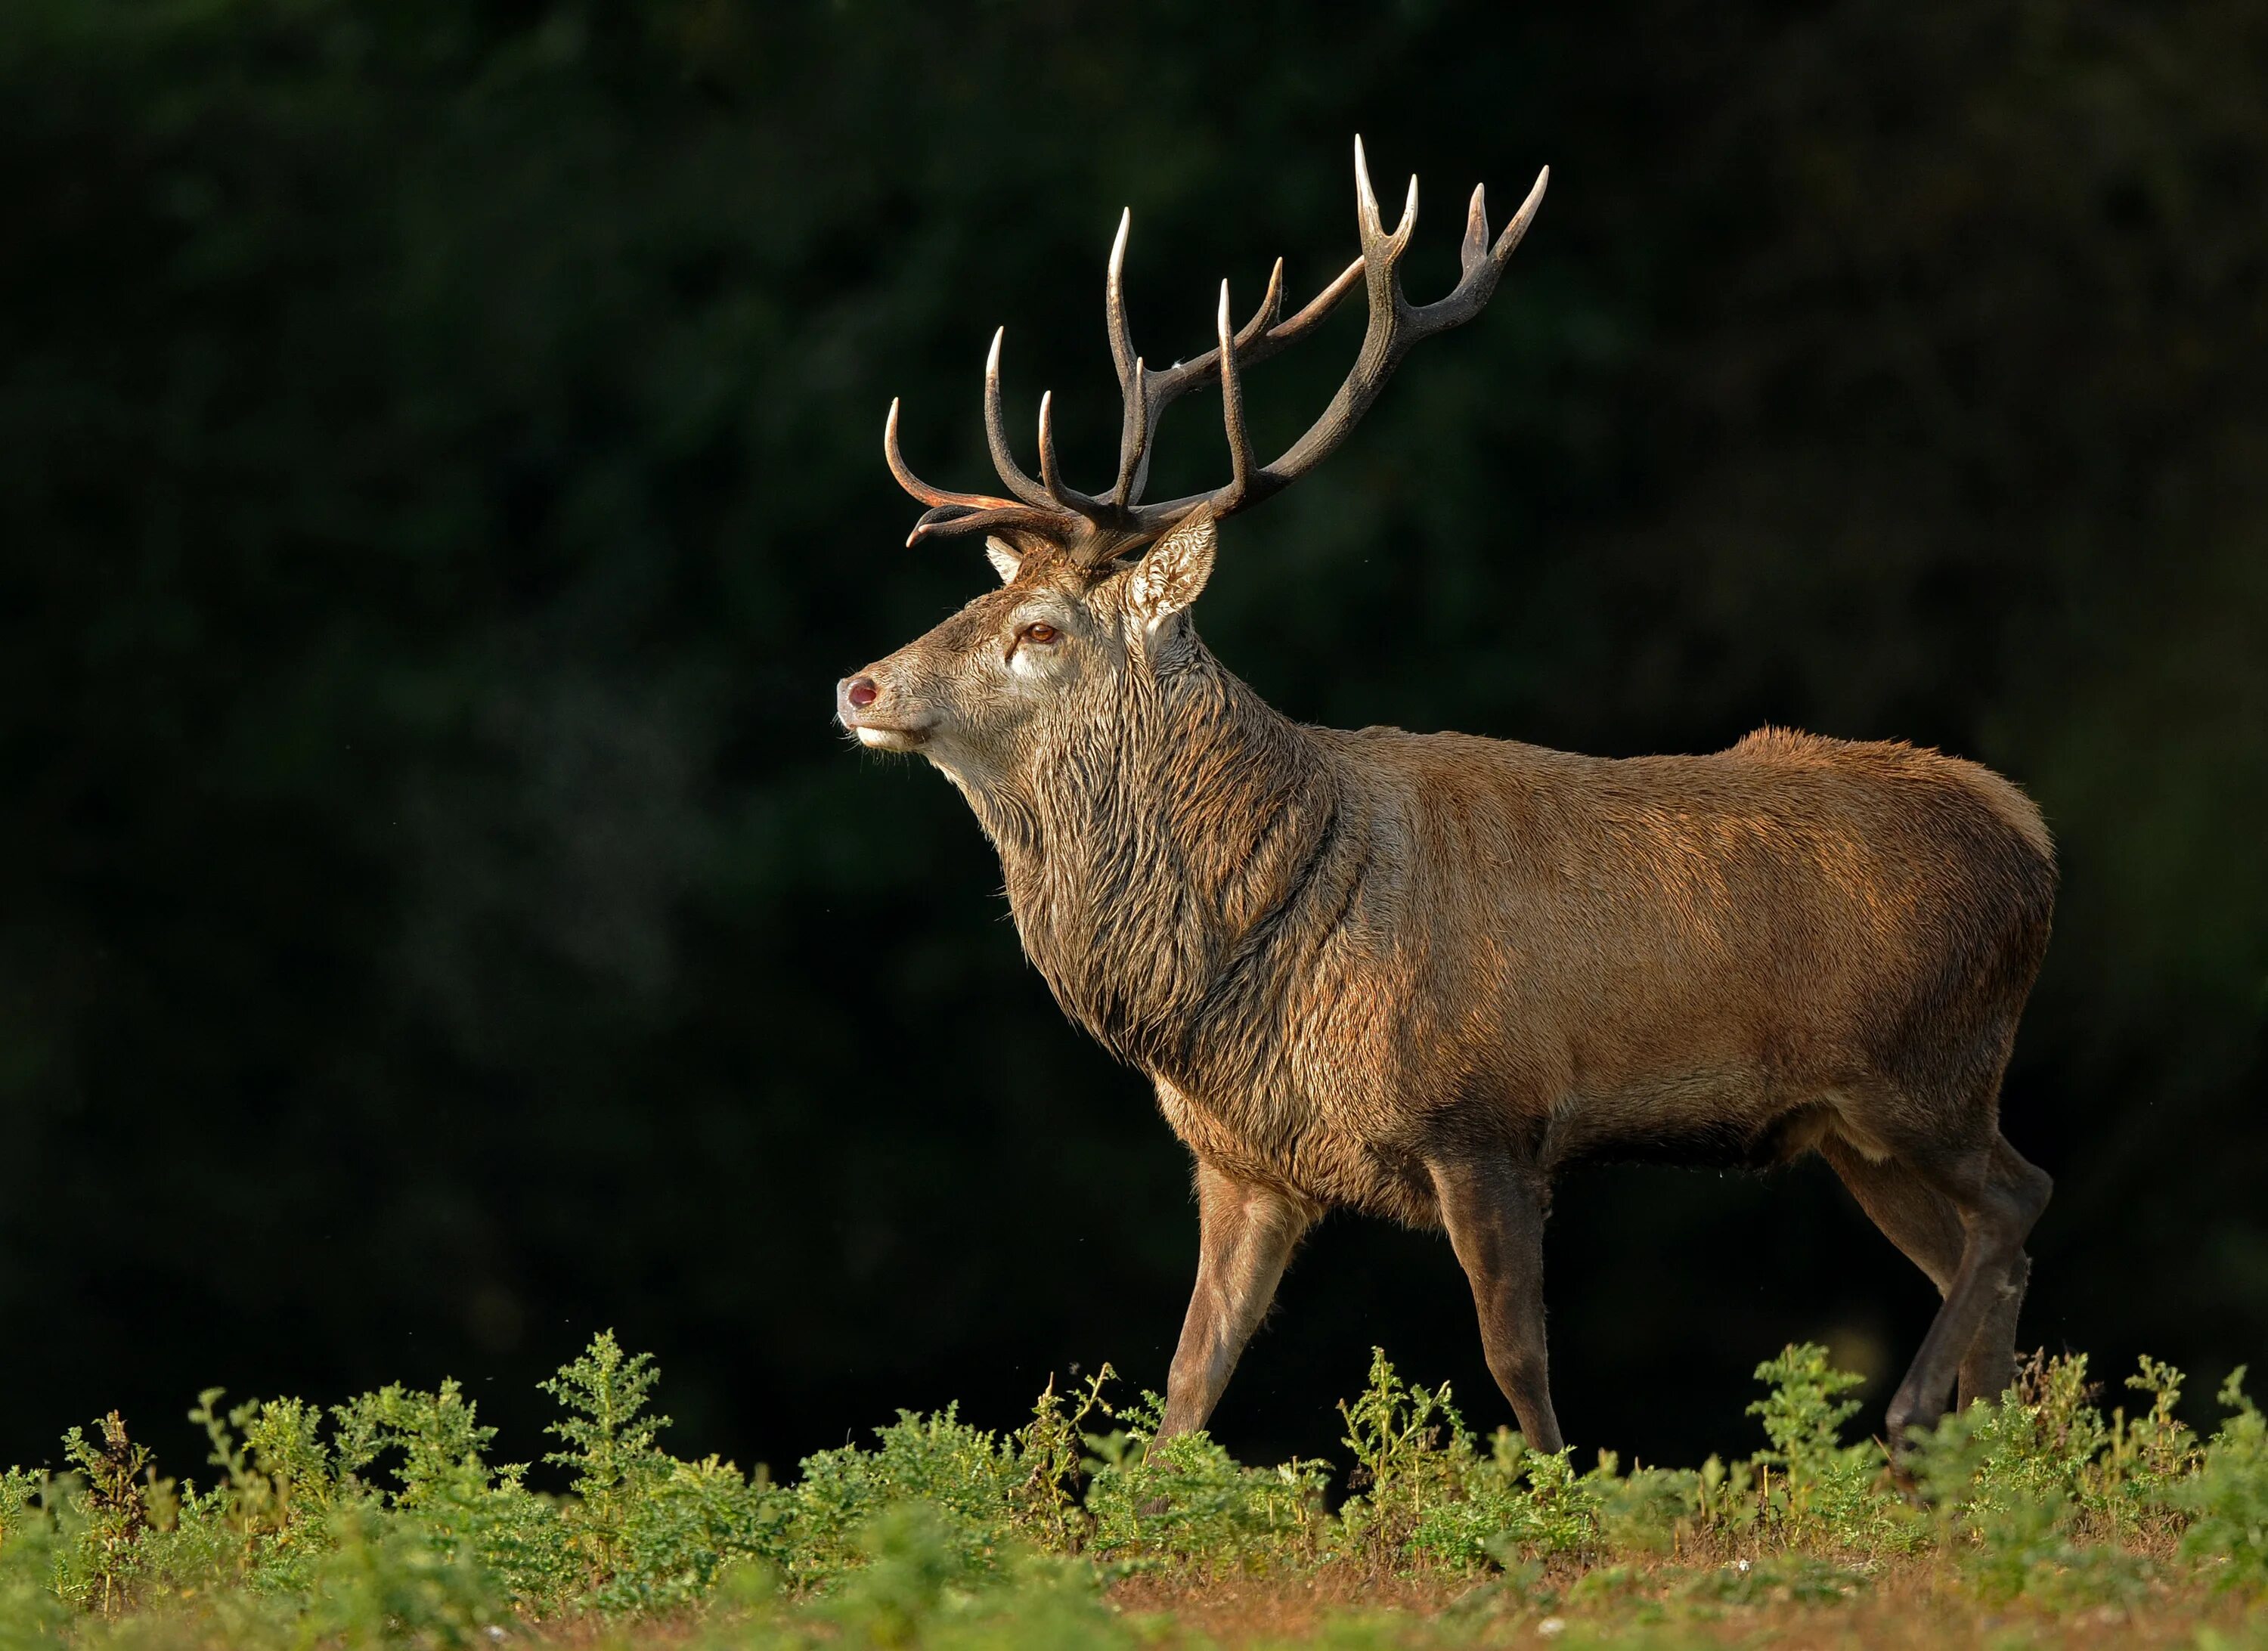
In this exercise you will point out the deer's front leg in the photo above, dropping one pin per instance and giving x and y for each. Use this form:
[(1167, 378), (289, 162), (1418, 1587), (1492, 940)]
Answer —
[(1245, 1235), (1494, 1212)]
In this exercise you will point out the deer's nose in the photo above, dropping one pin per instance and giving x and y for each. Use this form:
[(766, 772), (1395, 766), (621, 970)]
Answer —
[(858, 692)]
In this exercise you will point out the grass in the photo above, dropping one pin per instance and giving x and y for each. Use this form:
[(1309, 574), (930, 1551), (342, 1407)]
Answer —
[(386, 1521)]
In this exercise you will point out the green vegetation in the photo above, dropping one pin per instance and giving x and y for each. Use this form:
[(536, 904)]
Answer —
[(386, 1522)]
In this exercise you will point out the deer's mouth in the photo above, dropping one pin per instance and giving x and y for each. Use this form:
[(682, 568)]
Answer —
[(878, 735)]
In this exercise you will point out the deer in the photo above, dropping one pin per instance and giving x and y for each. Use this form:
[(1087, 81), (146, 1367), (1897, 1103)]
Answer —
[(1417, 974)]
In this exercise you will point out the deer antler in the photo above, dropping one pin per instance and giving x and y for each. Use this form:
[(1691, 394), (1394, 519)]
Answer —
[(1147, 393), (1095, 528)]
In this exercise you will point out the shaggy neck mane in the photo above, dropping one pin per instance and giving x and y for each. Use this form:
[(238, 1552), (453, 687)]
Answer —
[(1148, 864)]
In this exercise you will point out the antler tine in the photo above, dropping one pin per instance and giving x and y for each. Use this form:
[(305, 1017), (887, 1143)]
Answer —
[(1144, 394), (1482, 268), (1366, 209), (915, 485), (1133, 441), (996, 433), (1050, 473), (1066, 500), (1477, 243), (1271, 310), (952, 513), (1231, 411), (1113, 295), (1394, 326), (947, 519), (1366, 199), (1134, 421), (1256, 340), (1515, 232)]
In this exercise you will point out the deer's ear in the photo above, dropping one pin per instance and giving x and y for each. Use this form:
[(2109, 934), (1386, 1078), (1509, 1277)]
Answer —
[(1168, 578), (1003, 557)]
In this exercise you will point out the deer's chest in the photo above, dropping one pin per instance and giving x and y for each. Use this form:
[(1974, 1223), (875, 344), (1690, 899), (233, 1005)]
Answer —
[(1278, 1141)]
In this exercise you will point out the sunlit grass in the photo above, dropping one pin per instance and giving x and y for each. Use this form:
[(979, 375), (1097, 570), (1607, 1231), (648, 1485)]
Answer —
[(386, 1521)]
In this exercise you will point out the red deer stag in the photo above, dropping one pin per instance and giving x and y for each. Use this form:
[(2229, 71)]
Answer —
[(1417, 974)]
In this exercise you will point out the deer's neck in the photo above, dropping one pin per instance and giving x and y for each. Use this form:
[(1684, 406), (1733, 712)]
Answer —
[(1149, 879)]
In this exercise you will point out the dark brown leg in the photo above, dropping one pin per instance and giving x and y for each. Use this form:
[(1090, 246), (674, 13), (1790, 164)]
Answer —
[(1494, 1214), (1990, 1368), (1928, 1228), (1246, 1236), (1998, 1196)]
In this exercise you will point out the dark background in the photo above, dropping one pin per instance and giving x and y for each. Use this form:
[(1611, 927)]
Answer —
[(439, 487)]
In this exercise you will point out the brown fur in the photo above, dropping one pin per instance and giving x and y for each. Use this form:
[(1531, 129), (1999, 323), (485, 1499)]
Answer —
[(1416, 973)]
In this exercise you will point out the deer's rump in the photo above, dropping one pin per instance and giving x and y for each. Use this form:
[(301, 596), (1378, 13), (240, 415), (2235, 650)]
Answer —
[(1710, 957)]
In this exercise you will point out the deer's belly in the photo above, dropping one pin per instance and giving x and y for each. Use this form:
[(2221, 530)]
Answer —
[(1726, 1118)]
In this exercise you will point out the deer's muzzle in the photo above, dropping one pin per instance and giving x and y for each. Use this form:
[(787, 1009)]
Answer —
[(863, 706)]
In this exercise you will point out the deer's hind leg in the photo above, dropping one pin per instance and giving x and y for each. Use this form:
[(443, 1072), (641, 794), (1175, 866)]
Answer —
[(1997, 1196), (1927, 1229)]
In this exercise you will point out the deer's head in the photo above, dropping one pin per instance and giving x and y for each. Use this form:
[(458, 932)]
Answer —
[(1058, 652), (1090, 620)]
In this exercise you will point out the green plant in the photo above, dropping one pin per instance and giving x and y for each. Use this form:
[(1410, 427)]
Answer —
[(1645, 1510), (1050, 1448), (2018, 1486), (1539, 1504), (651, 1530), (610, 1438), (1724, 1500), (1824, 1490), (2149, 1457), (1412, 1454), (448, 1495), (962, 1471), (385, 1583), (18, 1490), (1185, 1500), (384, 1523), (2227, 1497), (33, 1613), (112, 1508)]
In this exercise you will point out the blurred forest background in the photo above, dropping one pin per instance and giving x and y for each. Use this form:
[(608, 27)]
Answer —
[(439, 487)]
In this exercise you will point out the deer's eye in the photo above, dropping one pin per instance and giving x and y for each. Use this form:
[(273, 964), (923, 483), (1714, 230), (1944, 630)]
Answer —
[(1038, 632)]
